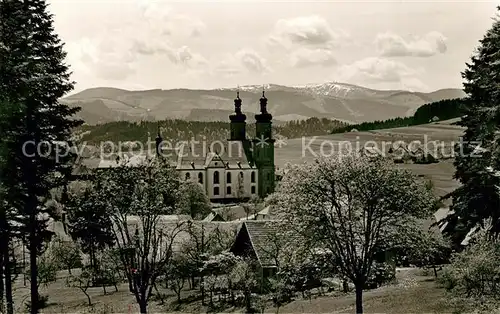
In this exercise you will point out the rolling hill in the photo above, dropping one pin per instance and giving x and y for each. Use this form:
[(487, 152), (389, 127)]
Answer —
[(345, 102)]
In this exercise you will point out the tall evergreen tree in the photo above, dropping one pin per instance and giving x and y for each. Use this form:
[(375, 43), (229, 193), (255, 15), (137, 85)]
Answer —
[(34, 76), (7, 112), (478, 196)]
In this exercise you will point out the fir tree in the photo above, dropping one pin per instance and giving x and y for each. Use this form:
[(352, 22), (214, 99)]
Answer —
[(7, 112), (33, 76), (477, 198)]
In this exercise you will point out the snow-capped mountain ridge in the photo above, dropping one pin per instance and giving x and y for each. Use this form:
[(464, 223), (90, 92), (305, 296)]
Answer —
[(328, 89), (332, 100)]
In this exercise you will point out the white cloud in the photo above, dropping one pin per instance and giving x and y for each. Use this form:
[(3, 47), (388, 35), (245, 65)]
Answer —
[(373, 71), (304, 30), (161, 17), (151, 30), (304, 57), (96, 57), (376, 69), (392, 45), (306, 40), (252, 61), (179, 56), (242, 62)]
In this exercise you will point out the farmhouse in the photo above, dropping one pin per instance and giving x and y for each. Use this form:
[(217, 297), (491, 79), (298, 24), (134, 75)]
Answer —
[(254, 241)]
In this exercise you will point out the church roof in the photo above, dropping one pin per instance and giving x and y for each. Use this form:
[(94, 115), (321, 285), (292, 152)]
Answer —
[(230, 155), (131, 160), (191, 157)]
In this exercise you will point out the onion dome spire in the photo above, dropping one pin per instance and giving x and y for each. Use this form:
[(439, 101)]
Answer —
[(158, 140), (237, 102), (263, 101)]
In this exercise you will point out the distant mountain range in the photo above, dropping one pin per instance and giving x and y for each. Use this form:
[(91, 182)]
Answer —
[(332, 100)]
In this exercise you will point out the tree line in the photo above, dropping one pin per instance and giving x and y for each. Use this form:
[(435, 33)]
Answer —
[(182, 130), (435, 111)]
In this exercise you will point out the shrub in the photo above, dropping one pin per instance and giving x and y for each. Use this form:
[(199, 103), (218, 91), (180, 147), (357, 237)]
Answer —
[(475, 272), (380, 274)]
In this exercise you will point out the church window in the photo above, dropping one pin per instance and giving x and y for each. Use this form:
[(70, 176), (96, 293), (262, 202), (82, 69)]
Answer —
[(228, 190), (253, 189), (228, 177), (200, 178), (216, 190), (241, 175), (252, 178), (216, 177), (188, 176)]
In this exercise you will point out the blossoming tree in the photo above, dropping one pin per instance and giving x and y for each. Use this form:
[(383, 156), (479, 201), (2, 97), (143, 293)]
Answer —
[(352, 207)]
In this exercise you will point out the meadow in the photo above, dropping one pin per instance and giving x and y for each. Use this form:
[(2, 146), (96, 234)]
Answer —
[(300, 150)]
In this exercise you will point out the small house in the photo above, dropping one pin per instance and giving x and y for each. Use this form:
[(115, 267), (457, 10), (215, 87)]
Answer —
[(370, 152), (252, 241), (213, 216)]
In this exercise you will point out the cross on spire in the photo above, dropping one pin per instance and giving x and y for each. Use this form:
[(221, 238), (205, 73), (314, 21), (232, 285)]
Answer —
[(263, 101), (237, 102)]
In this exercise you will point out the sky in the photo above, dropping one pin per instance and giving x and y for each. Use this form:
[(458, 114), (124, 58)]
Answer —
[(137, 44)]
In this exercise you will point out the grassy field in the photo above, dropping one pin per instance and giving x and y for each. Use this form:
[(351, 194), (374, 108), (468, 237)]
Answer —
[(296, 151), (412, 293)]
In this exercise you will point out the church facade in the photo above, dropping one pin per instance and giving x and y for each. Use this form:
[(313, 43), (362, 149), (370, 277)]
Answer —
[(244, 169)]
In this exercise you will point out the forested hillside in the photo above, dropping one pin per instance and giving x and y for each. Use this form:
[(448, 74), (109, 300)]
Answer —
[(435, 111), (180, 130)]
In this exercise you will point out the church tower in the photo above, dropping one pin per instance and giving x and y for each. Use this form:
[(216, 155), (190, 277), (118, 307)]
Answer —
[(263, 149), (158, 142), (238, 124), (238, 130)]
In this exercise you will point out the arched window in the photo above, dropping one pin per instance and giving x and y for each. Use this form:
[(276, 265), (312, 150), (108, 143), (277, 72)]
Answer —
[(188, 176), (200, 178), (252, 178), (216, 177), (216, 190), (228, 190), (241, 175), (228, 177)]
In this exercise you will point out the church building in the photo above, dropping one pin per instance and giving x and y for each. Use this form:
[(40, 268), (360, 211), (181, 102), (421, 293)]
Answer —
[(243, 169)]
